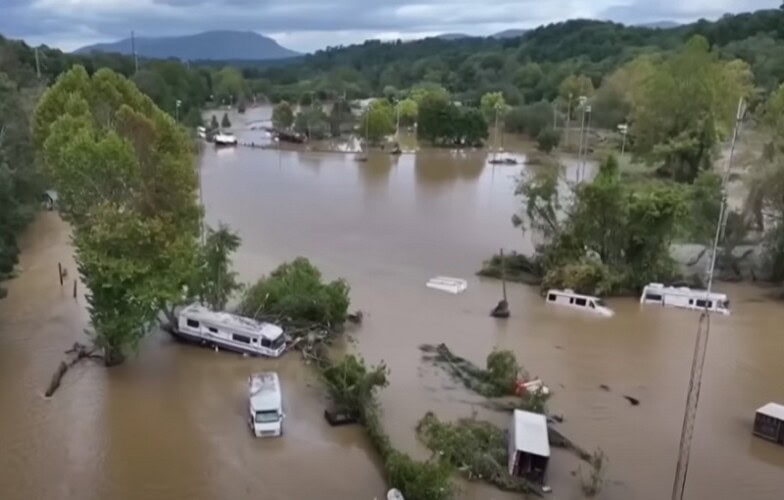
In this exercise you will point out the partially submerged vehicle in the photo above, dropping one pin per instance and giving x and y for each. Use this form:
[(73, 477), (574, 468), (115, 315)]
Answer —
[(685, 298), (569, 298), (769, 423), (225, 139), (266, 410), (447, 284), (529, 446), (224, 330)]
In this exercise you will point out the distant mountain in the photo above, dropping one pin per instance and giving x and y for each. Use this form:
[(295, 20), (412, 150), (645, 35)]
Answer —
[(453, 36), (665, 25), (513, 33), (210, 45)]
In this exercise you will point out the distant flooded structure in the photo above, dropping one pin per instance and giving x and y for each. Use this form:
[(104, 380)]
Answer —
[(769, 423)]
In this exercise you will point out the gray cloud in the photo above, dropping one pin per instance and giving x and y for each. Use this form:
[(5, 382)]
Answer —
[(311, 24)]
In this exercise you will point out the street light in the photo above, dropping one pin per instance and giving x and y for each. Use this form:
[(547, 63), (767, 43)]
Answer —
[(623, 128), (177, 110)]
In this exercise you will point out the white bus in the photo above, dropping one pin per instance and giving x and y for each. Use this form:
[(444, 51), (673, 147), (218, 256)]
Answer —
[(230, 331), (685, 297), (574, 300)]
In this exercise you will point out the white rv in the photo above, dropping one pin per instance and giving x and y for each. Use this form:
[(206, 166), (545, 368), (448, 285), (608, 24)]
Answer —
[(684, 297), (266, 410), (447, 284), (574, 300), (230, 331)]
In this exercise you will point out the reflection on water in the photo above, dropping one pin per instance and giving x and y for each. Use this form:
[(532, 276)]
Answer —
[(171, 422)]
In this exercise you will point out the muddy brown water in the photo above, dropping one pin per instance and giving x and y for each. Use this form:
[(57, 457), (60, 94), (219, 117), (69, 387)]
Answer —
[(170, 423)]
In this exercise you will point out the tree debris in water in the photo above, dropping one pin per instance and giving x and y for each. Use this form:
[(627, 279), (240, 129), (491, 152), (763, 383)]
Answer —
[(78, 352), (477, 449)]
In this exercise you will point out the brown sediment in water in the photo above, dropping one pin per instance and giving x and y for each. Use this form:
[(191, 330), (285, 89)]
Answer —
[(171, 422)]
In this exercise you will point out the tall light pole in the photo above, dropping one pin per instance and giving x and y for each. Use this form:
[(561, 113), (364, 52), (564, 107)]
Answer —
[(585, 147), (582, 100), (568, 121), (623, 128), (177, 110)]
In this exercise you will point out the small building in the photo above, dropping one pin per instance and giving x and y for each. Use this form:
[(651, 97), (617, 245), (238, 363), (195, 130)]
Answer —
[(529, 447), (769, 423)]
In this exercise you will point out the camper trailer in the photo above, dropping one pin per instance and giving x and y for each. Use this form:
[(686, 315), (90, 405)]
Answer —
[(769, 423), (266, 410), (569, 298), (230, 331), (529, 447), (685, 297)]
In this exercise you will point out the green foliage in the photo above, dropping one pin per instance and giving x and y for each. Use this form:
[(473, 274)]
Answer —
[(502, 371), (216, 281), (294, 290), (419, 480), (704, 198), (685, 107), (214, 125), (225, 122), (340, 118), (20, 181), (351, 385), (574, 86), (312, 122), (124, 173), (530, 119), (614, 237), (378, 120), (408, 111), (229, 85), (444, 123), (492, 104), (282, 115), (547, 140)]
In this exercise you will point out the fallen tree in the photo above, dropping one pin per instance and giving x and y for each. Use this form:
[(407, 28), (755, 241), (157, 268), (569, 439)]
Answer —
[(78, 352)]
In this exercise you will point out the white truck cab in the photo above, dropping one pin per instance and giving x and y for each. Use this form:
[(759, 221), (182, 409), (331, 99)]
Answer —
[(266, 411)]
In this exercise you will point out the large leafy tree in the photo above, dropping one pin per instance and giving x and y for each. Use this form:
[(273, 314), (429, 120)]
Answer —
[(125, 174), (282, 115), (685, 107), (216, 282), (378, 120)]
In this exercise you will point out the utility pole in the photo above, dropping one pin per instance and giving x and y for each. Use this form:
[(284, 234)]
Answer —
[(582, 100), (585, 147), (133, 52), (703, 335), (568, 121), (623, 128), (37, 64)]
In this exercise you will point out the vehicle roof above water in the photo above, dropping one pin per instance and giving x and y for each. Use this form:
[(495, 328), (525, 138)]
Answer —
[(774, 410), (531, 434), (568, 292), (264, 391), (232, 321), (683, 291)]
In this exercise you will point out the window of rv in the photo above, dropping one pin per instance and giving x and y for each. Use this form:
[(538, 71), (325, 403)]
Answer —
[(193, 323), (273, 344), (267, 416), (241, 338), (580, 302)]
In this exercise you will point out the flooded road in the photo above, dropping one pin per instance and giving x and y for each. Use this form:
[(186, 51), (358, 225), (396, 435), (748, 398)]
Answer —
[(170, 423)]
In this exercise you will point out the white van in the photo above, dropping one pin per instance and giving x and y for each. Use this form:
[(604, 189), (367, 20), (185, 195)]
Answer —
[(685, 297), (230, 331), (266, 411), (574, 300)]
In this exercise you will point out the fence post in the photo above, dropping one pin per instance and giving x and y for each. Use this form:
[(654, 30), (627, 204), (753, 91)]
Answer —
[(60, 272), (74, 295)]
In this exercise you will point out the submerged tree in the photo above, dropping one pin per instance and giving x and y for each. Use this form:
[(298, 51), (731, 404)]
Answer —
[(124, 173), (225, 122), (377, 121), (282, 115), (217, 281)]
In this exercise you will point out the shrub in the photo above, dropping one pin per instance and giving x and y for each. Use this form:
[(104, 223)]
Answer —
[(417, 480), (547, 140), (294, 290), (587, 276), (502, 371)]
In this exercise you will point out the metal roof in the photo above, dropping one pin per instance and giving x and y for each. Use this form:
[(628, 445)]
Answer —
[(531, 433), (232, 321), (774, 410)]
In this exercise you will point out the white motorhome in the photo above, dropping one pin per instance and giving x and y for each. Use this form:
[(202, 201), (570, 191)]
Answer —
[(684, 297), (266, 410), (230, 331), (574, 300), (447, 284)]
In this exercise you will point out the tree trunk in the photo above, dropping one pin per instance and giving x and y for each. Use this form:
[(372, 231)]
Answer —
[(113, 356)]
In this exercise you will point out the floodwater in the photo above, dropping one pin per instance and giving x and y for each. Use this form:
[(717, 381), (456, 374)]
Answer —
[(170, 423)]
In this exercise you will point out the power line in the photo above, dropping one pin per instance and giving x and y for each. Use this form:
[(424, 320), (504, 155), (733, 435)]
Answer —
[(703, 332)]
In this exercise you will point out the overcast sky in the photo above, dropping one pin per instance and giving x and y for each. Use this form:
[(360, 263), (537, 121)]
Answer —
[(307, 25)]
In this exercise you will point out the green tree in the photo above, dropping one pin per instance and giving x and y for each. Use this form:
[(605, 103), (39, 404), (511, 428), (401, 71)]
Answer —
[(408, 111), (492, 104), (294, 290), (575, 86), (547, 140), (217, 281), (340, 117), (312, 122), (529, 119), (124, 173), (378, 120), (214, 125), (685, 108), (282, 116), (229, 85), (225, 122)]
